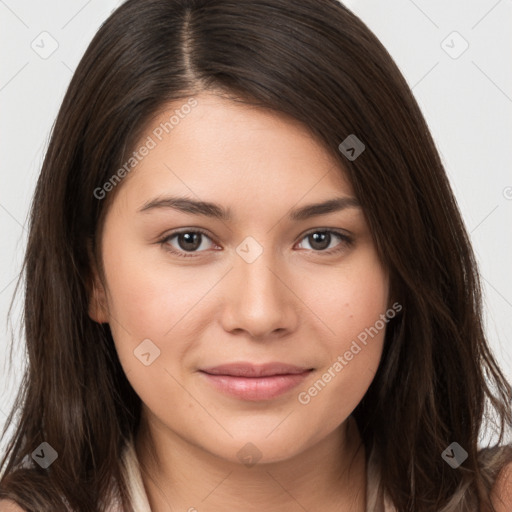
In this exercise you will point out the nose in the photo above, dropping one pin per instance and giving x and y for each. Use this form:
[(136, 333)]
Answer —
[(259, 299)]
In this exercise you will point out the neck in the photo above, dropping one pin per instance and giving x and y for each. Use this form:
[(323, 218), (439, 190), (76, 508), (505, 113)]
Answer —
[(329, 476)]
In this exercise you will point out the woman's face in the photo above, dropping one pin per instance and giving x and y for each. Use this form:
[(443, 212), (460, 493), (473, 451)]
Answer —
[(258, 276)]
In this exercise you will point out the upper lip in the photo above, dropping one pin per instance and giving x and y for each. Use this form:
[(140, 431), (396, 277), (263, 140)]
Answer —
[(243, 369)]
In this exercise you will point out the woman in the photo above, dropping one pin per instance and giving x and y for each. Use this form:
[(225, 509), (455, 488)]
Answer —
[(248, 283)]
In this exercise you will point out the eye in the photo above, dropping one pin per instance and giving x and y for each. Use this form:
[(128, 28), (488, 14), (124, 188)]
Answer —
[(322, 241), (189, 241)]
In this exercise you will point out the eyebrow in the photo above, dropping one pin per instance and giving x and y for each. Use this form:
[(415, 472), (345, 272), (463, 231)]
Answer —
[(216, 211)]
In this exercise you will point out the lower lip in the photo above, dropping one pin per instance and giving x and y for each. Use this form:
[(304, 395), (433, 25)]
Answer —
[(256, 388)]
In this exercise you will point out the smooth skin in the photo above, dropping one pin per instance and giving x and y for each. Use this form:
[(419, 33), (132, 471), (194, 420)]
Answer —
[(299, 302)]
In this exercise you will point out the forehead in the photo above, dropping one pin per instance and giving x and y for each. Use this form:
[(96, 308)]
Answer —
[(225, 147)]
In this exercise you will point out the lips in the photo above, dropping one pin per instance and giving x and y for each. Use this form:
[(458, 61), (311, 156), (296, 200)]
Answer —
[(252, 370), (251, 382)]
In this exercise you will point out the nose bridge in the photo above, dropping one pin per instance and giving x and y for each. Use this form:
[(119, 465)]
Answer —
[(257, 300)]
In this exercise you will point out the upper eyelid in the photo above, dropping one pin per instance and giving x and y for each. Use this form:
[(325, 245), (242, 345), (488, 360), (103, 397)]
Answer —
[(338, 232)]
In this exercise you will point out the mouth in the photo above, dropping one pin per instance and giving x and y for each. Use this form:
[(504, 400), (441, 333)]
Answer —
[(251, 382)]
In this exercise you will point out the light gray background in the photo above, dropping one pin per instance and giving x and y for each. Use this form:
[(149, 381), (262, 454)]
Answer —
[(466, 98)]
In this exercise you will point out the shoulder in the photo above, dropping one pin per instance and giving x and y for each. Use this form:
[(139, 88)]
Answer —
[(501, 495), (10, 506)]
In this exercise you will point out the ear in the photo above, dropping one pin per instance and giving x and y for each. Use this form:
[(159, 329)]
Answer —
[(98, 308)]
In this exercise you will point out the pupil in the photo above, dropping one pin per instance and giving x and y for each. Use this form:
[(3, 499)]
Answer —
[(189, 241), (320, 240)]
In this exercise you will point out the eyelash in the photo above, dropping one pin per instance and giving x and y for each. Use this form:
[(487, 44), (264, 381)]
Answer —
[(346, 241)]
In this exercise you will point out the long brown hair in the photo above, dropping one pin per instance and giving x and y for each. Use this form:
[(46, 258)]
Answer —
[(315, 61)]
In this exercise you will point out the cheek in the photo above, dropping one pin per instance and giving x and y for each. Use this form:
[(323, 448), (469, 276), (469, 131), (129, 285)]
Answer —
[(150, 300), (352, 305), (146, 296), (147, 305), (348, 299)]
